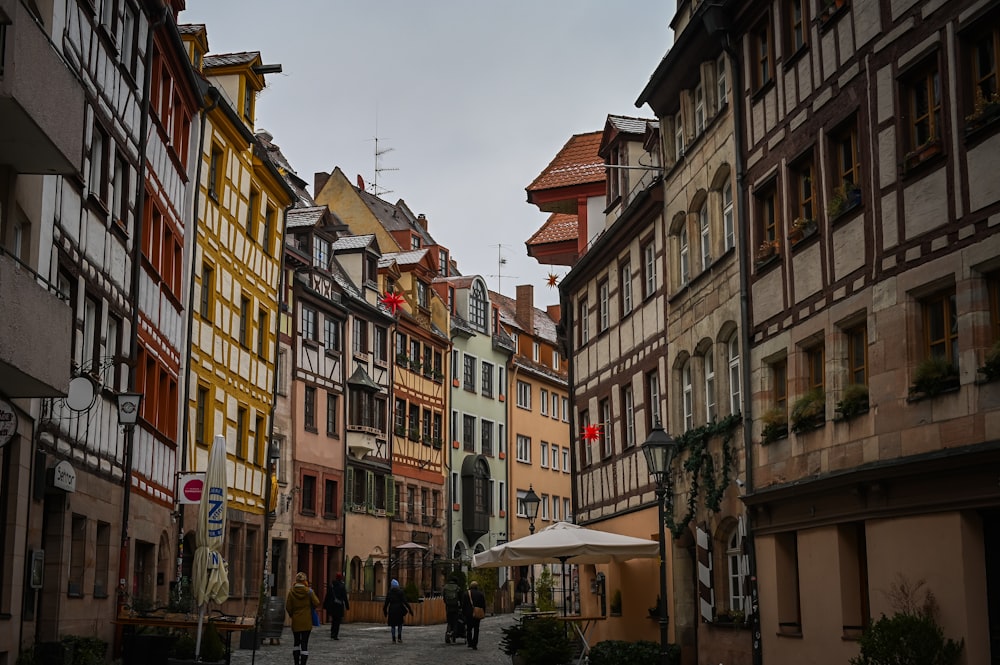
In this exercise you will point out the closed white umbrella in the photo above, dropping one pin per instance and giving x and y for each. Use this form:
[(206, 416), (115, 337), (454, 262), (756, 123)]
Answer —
[(210, 575), (563, 542)]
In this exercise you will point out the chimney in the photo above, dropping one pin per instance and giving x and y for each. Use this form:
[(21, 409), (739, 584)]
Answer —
[(422, 220), (319, 182), (524, 312), (554, 312)]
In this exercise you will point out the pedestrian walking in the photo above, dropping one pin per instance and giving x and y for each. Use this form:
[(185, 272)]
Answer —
[(452, 594), (394, 609), (474, 607), (299, 604), (336, 603)]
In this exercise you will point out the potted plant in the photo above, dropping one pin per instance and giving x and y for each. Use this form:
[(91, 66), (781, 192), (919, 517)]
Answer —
[(923, 152), (853, 401), (844, 197), (537, 641), (985, 110), (933, 376), (415, 365), (991, 363), (801, 228), (414, 434), (809, 411), (767, 250), (400, 430), (775, 425), (402, 359)]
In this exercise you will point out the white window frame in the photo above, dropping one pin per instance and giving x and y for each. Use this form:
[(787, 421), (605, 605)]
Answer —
[(705, 231), (555, 406), (565, 409), (678, 137), (545, 507), (555, 508), (567, 514), (734, 553), (536, 351), (710, 404), (688, 400), (524, 395), (733, 357), (603, 306), (554, 459), (543, 455), (626, 288), (699, 109), (628, 411), (727, 216), (543, 402), (650, 260), (684, 262), (524, 449), (565, 459)]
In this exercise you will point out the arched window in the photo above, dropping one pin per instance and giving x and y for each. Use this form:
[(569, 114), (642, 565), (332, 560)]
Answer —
[(733, 358), (477, 306), (710, 406), (736, 567), (686, 390), (727, 216), (684, 251), (705, 236)]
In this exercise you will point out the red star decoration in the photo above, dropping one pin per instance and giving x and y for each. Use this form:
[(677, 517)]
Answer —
[(553, 280), (592, 433), (393, 301)]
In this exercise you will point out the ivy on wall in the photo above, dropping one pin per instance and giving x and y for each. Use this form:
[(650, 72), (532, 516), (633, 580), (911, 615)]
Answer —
[(699, 466)]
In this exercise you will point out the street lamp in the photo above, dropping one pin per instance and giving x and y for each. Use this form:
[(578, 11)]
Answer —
[(659, 450), (128, 416), (531, 503)]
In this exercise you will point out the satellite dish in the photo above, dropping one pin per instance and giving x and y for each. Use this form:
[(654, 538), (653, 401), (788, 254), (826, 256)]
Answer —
[(361, 182), (81, 393)]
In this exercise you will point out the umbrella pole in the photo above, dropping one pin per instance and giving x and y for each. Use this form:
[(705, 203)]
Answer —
[(197, 640)]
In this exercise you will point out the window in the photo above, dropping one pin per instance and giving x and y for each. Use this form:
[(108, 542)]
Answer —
[(470, 373), (584, 323), (247, 102), (524, 395), (543, 454), (628, 414), (787, 564), (119, 191), (555, 406), (102, 559), (762, 56), (91, 344), (844, 152), (501, 386), (309, 494), (720, 80), (523, 449), (469, 433), (737, 569), (699, 109), (423, 295), (733, 361), (649, 269), (501, 441), (309, 406), (555, 508), (543, 401), (536, 351), (779, 384), (545, 507), (455, 364), (854, 598), (436, 428), (487, 379), (98, 181), (923, 104), (565, 409), (332, 409), (727, 216), (857, 354), (359, 334), (687, 392), (586, 447), (985, 63), (321, 252), (253, 205), (565, 460), (555, 360), (941, 327), (477, 306), (678, 137), (555, 458), (684, 262), (625, 287), (130, 19), (244, 321), (268, 227), (796, 24), (705, 235), (486, 437), (259, 439), (201, 418), (381, 350), (606, 448), (308, 323), (801, 174), (603, 306), (331, 335), (653, 400), (329, 498), (815, 358), (77, 556), (261, 333), (768, 223), (994, 295), (241, 432), (215, 172), (709, 372), (567, 513)]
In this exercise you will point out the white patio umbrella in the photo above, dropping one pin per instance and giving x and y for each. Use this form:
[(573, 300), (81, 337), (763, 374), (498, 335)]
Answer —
[(563, 542), (210, 576)]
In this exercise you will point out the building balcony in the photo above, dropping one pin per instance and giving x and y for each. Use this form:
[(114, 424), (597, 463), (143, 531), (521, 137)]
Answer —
[(361, 440), (36, 330), (41, 124)]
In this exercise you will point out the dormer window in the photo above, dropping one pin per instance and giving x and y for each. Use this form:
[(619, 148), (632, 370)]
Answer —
[(477, 306), (414, 242), (617, 183), (248, 102), (371, 269), (321, 252), (422, 293), (443, 260)]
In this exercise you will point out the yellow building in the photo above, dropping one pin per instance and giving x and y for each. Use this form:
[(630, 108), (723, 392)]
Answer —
[(240, 203)]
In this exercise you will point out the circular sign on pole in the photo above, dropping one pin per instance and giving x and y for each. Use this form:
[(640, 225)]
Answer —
[(190, 487), (8, 422)]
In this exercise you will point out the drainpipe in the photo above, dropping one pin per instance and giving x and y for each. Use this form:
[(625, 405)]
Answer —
[(123, 558)]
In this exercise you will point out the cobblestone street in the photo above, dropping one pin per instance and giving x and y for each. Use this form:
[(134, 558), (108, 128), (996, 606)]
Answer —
[(371, 643)]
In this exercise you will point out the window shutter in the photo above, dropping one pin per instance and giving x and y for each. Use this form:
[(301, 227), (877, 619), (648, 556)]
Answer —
[(370, 491), (349, 490), (706, 593), (741, 529), (390, 496)]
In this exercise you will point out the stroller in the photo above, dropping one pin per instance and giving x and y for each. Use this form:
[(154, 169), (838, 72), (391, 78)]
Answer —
[(455, 629)]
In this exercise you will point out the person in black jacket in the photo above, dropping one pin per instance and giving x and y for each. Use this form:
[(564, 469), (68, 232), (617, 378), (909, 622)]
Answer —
[(335, 603), (394, 609), (472, 599)]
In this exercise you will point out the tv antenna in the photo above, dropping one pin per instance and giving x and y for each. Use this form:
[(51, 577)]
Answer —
[(501, 262), (379, 152)]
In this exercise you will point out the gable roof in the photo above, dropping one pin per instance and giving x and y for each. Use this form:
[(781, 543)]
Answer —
[(229, 59), (577, 163), (347, 243), (559, 227)]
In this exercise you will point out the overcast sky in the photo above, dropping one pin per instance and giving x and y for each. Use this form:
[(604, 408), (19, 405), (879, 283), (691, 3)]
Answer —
[(469, 99)]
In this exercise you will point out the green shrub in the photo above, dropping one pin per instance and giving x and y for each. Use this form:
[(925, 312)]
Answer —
[(212, 648), (411, 592), (543, 591), (86, 650), (906, 639), (643, 652), (184, 647), (538, 640)]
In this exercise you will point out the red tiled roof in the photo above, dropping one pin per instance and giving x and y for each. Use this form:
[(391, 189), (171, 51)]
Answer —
[(557, 228), (577, 163)]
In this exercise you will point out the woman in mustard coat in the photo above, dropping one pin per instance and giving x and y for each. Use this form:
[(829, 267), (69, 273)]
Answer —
[(299, 604)]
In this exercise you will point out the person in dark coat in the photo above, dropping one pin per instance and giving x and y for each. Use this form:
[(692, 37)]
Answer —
[(394, 609), (336, 603), (470, 599)]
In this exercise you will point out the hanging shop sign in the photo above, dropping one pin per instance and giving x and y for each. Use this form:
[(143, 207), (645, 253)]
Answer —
[(8, 422)]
